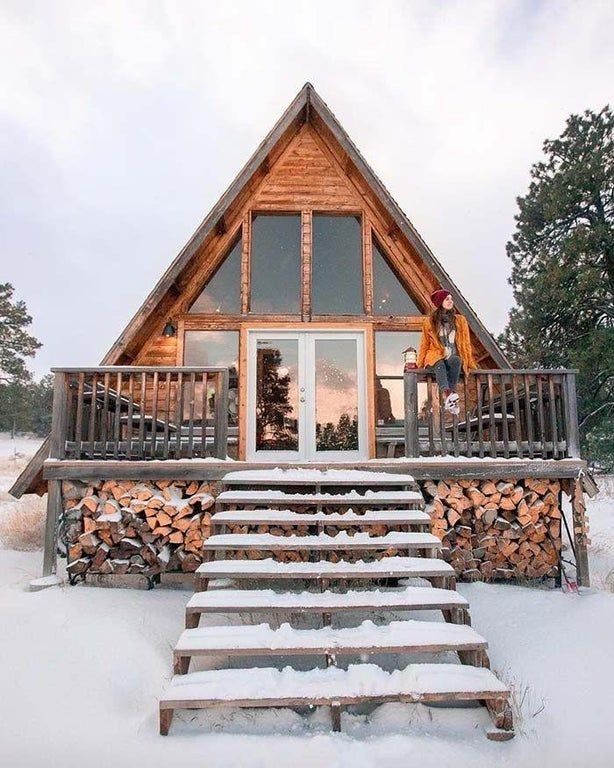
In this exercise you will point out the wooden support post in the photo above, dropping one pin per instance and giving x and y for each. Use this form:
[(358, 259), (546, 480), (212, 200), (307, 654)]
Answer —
[(580, 532), (335, 716), (57, 450), (54, 510), (166, 718), (410, 389)]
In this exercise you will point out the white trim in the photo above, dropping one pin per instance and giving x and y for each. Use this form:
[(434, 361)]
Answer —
[(306, 385)]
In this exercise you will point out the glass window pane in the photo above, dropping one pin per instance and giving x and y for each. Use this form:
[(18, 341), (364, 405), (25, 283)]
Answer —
[(215, 348), (336, 270), (222, 294), (389, 347), (275, 271), (389, 296), (336, 395), (277, 395)]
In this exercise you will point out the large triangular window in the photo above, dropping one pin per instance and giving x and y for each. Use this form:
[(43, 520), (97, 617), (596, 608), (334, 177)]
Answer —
[(222, 294), (389, 297)]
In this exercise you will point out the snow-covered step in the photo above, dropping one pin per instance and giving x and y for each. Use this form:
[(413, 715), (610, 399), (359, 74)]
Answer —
[(322, 477), (413, 517), (323, 543), (267, 600), (387, 567), (412, 499), (408, 636), (270, 687)]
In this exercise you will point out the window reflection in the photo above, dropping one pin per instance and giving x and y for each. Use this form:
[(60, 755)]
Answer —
[(389, 403), (336, 268), (389, 296), (275, 270), (222, 294)]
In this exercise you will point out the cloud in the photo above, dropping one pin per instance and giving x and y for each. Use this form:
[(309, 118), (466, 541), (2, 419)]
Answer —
[(121, 123)]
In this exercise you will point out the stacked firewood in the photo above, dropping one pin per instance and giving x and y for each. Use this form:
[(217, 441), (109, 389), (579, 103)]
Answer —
[(124, 526), (304, 530), (497, 529)]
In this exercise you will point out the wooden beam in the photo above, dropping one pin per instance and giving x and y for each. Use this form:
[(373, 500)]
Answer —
[(54, 510)]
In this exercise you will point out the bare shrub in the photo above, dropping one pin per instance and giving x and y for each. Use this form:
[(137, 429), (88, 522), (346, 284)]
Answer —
[(22, 523)]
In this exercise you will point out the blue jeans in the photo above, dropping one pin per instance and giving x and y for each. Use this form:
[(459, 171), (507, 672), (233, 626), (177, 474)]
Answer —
[(447, 372)]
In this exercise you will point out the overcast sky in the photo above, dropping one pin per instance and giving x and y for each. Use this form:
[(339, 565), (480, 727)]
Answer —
[(121, 123)]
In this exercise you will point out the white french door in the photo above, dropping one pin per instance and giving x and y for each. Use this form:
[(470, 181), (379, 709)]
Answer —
[(306, 396)]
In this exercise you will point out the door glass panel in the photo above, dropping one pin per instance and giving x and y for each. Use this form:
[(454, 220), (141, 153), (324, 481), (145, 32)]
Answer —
[(336, 396), (276, 265), (277, 395), (336, 268)]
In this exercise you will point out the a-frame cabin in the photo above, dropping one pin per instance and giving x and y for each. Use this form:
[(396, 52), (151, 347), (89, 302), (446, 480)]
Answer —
[(276, 340), (277, 336)]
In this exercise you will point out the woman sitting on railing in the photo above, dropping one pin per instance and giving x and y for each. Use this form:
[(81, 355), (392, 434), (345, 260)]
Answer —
[(446, 346)]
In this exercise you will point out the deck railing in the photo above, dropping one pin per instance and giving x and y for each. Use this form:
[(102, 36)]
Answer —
[(503, 413), (139, 413)]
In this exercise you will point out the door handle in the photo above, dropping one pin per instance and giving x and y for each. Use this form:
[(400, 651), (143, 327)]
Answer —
[(302, 399)]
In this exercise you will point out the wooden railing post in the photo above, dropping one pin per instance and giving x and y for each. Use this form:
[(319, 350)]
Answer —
[(59, 416), (571, 415), (220, 440), (410, 397)]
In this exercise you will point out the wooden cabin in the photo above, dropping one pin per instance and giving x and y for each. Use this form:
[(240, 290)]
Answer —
[(276, 338)]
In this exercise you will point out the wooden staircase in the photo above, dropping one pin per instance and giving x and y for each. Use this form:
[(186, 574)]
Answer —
[(328, 575)]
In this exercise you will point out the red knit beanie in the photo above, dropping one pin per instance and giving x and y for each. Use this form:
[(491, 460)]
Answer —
[(438, 296)]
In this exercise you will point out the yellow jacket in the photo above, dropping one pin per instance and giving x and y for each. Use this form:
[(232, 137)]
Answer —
[(431, 348)]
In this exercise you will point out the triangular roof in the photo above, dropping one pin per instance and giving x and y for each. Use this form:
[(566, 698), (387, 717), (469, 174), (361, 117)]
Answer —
[(306, 107)]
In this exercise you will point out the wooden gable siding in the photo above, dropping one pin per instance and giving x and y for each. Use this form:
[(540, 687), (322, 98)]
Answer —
[(311, 173), (304, 177)]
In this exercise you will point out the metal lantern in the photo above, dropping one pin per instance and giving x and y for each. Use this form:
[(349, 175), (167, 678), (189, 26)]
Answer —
[(410, 359), (169, 329)]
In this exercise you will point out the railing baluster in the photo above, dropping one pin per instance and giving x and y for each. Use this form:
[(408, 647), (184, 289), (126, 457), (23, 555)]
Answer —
[(504, 424), (79, 417), (480, 421), (517, 421), (118, 414), (492, 431), (130, 416), (104, 416), (430, 414), (553, 426), (91, 434), (154, 416), (179, 415), (442, 424), (468, 447), (529, 414), (203, 418), (167, 416), (192, 394), (541, 421), (142, 407)]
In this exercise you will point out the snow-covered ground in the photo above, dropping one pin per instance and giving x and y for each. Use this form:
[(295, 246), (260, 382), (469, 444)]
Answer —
[(82, 670)]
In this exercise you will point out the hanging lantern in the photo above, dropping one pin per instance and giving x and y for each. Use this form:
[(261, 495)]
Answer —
[(410, 359), (169, 329)]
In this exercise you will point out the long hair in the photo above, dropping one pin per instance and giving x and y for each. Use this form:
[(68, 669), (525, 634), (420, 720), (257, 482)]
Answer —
[(438, 315)]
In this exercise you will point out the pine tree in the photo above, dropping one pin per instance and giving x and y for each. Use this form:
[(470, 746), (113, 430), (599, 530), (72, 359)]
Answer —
[(16, 343), (562, 255)]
